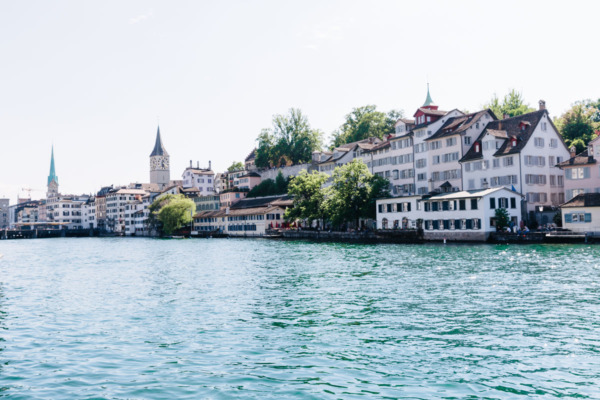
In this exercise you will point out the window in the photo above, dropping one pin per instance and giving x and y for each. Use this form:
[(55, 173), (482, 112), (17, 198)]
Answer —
[(467, 140), (508, 161), (467, 167), (492, 203), (539, 142), (421, 163), (513, 202), (503, 202), (544, 126), (551, 161), (435, 145), (450, 142), (578, 217), (496, 163), (473, 204), (422, 177), (577, 173), (471, 183), (435, 160), (554, 143)]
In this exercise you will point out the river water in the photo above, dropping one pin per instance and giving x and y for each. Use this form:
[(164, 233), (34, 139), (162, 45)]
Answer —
[(256, 319)]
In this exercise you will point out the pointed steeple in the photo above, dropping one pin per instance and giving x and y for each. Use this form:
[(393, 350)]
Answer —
[(52, 176), (428, 100), (159, 149)]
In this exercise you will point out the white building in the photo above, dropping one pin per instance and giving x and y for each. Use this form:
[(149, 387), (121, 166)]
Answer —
[(116, 201), (520, 152), (88, 214), (67, 211), (464, 215), (199, 178)]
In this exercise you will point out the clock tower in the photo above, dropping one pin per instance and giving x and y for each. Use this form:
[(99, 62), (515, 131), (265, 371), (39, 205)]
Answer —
[(159, 164)]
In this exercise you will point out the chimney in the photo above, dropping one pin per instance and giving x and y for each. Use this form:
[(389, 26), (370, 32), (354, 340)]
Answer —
[(573, 151), (484, 184), (198, 164), (190, 163), (542, 105), (430, 185), (209, 164)]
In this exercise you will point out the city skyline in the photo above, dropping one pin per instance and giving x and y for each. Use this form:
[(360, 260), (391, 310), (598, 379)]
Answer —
[(92, 79)]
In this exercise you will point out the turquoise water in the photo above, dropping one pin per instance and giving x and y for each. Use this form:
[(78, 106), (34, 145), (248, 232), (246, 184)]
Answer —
[(256, 319)]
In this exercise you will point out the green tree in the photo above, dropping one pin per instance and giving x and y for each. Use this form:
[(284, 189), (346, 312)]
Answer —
[(291, 140), (170, 212), (580, 124), (380, 188), (270, 187), (235, 166), (309, 197), (502, 218), (281, 184), (364, 122), (512, 105), (350, 197), (176, 214)]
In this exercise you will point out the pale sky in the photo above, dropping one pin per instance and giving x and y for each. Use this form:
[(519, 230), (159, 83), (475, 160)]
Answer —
[(93, 77)]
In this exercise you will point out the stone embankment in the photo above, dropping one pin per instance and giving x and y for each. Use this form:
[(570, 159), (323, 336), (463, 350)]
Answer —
[(405, 236)]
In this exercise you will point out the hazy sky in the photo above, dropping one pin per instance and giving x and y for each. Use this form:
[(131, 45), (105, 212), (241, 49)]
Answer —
[(93, 77)]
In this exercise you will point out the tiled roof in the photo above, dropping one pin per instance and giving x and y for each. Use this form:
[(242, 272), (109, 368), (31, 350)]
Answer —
[(584, 200), (512, 127), (456, 125), (258, 201), (200, 171), (580, 159)]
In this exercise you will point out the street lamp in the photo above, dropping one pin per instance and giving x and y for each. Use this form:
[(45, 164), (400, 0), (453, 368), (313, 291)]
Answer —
[(541, 210)]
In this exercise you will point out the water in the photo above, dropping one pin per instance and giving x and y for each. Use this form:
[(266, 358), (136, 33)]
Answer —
[(257, 319)]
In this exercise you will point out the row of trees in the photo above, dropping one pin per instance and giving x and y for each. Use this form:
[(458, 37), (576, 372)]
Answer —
[(351, 196)]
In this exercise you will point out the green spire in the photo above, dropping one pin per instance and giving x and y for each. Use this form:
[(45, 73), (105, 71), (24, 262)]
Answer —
[(428, 100), (52, 176)]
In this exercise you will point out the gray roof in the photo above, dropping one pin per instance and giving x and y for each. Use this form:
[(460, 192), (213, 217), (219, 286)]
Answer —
[(159, 149)]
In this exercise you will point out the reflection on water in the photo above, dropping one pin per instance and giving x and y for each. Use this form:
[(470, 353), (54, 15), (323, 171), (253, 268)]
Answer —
[(139, 318)]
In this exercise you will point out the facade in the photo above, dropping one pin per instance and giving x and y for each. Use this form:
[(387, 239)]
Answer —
[(247, 181), (100, 204), (159, 164), (464, 215), (4, 213), (116, 201), (229, 198), (207, 203), (248, 217), (521, 152), (88, 214), (582, 171), (201, 179), (67, 211), (249, 161), (582, 213)]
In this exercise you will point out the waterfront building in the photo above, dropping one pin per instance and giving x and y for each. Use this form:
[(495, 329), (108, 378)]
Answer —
[(582, 213), (521, 152), (465, 215), (67, 211), (199, 178), (582, 171), (100, 204), (4, 213), (341, 155), (247, 217), (88, 213), (159, 163), (116, 201)]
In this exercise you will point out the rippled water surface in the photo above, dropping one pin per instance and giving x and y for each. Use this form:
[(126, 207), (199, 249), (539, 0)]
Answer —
[(220, 319)]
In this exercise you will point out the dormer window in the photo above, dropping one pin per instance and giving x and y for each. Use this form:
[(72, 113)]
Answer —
[(477, 148), (513, 141)]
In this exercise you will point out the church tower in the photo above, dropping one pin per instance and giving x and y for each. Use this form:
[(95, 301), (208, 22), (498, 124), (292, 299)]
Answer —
[(52, 179), (159, 164)]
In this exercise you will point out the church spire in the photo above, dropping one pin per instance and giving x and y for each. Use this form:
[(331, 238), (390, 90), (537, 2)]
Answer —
[(428, 100), (159, 149), (52, 176)]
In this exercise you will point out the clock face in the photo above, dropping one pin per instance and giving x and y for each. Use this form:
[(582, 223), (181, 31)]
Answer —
[(159, 163)]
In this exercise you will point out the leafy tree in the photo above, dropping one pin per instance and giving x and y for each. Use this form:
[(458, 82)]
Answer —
[(350, 197), (170, 212), (512, 105), (235, 166), (502, 218), (364, 122), (309, 197), (380, 188), (176, 214), (291, 140), (281, 184), (580, 124)]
